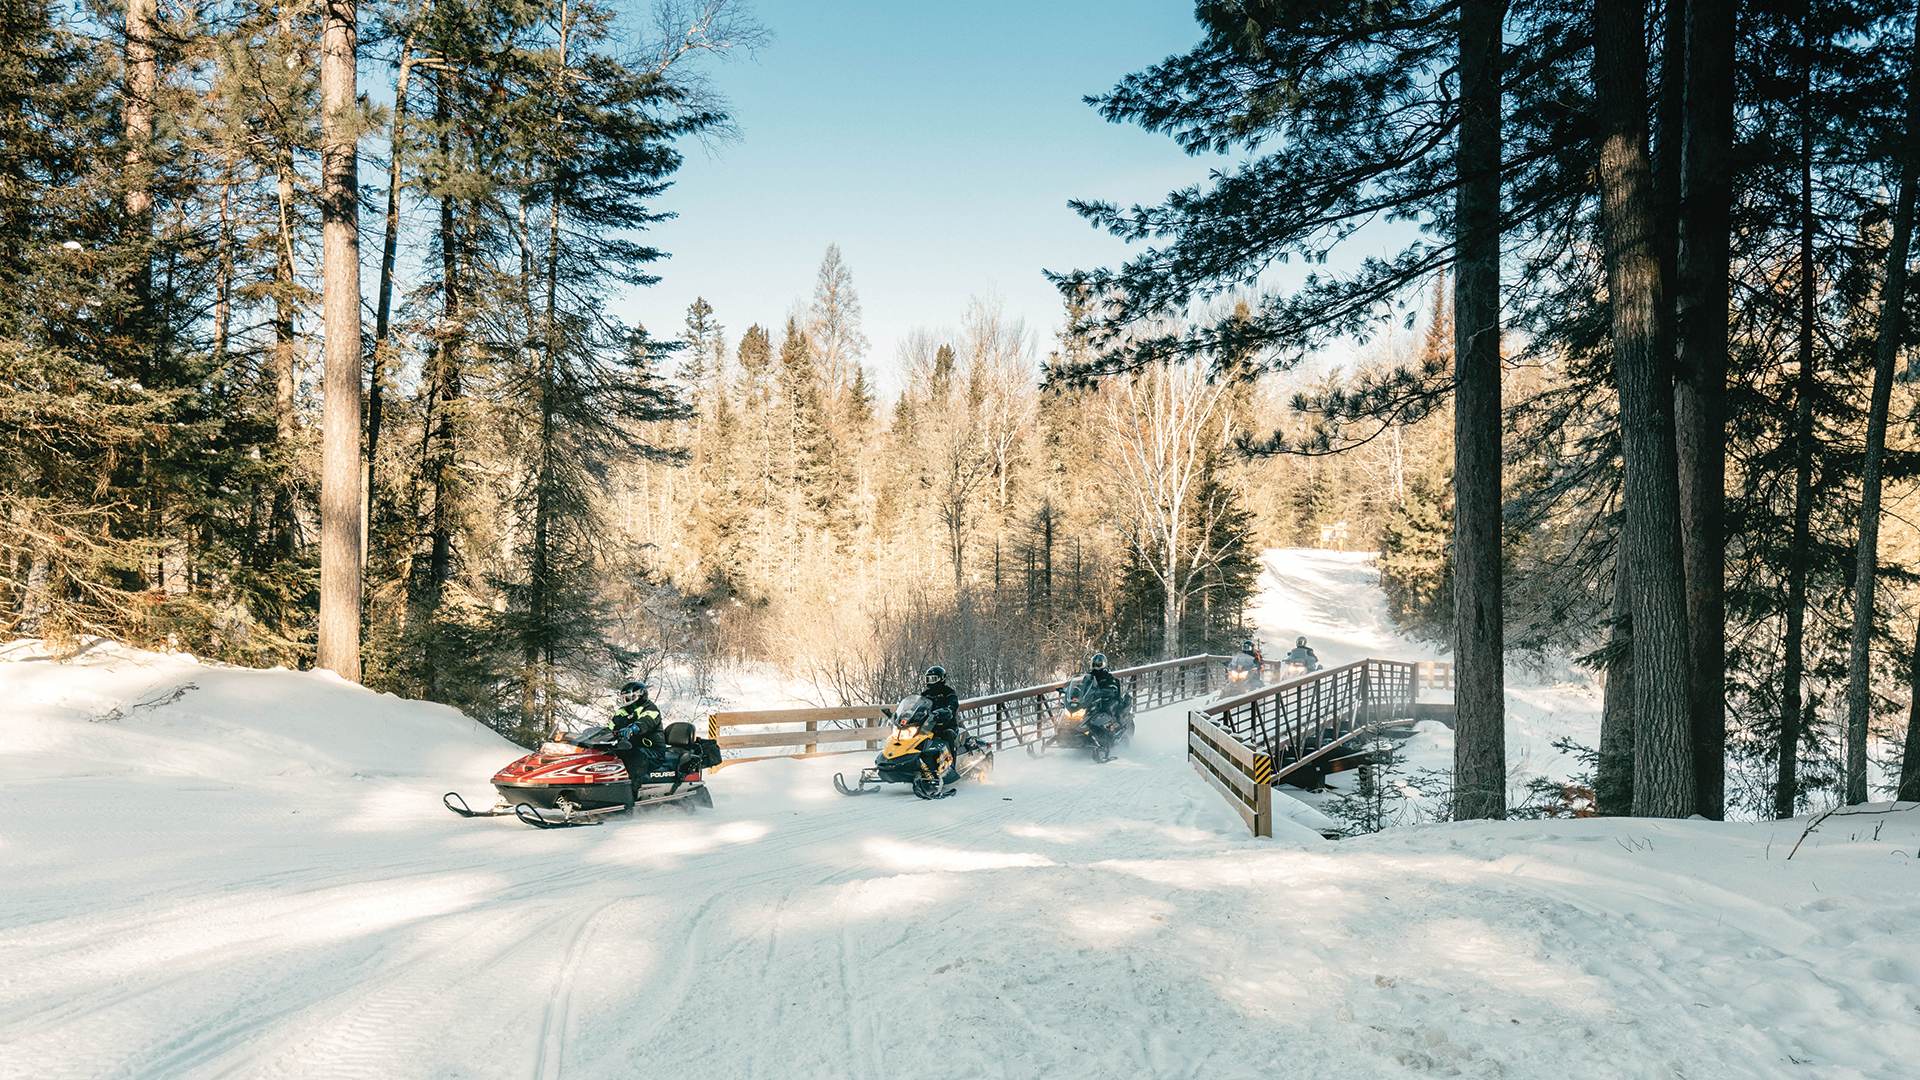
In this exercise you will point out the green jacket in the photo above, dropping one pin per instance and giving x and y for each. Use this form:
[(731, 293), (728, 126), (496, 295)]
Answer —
[(639, 722)]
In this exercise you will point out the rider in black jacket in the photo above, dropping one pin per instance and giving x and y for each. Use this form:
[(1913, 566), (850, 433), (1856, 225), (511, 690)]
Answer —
[(945, 702)]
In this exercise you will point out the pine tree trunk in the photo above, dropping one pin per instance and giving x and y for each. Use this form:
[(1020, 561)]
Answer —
[(1867, 557), (1613, 773), (142, 84), (1706, 195), (1663, 779), (286, 427), (1786, 789), (389, 251), (1480, 751), (340, 503), (1909, 790)]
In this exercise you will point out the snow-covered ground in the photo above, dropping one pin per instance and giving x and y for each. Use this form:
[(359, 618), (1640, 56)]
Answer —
[(217, 872), (1333, 599)]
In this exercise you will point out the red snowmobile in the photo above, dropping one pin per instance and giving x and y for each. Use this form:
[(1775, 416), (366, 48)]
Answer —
[(582, 780)]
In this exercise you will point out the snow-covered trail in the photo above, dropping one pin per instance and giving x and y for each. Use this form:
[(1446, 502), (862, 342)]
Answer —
[(253, 878)]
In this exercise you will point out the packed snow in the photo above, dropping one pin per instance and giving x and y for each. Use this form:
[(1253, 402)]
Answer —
[(220, 872)]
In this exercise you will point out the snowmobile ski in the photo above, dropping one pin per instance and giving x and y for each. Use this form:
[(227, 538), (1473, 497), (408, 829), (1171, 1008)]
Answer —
[(453, 801), (862, 786), (531, 815)]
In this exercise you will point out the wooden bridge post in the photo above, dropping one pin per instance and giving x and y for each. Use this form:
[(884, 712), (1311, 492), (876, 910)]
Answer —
[(1263, 795), (813, 727)]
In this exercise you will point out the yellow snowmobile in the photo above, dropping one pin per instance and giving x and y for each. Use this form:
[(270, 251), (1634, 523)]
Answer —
[(914, 754)]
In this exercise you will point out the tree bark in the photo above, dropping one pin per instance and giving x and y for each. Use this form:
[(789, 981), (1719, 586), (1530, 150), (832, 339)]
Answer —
[(1706, 194), (340, 502), (1663, 780), (285, 425), (1909, 790), (142, 84), (1613, 774), (1480, 752), (1786, 789), (389, 252), (1886, 349)]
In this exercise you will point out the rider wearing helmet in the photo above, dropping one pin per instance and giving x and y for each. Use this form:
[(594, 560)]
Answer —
[(1098, 677), (945, 705), (637, 723), (1251, 648), (1303, 655)]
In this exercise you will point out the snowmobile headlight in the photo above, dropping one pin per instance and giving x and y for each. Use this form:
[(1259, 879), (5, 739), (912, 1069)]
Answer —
[(1076, 715), (558, 749), (908, 732)]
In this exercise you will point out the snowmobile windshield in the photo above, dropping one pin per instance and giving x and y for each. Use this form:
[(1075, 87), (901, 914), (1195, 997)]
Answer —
[(913, 709), (1242, 660)]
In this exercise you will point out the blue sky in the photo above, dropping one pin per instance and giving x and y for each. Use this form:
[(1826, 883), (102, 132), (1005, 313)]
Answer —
[(937, 144)]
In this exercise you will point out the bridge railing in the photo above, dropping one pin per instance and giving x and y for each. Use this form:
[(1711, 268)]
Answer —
[(1018, 717), (1247, 743), (1008, 718)]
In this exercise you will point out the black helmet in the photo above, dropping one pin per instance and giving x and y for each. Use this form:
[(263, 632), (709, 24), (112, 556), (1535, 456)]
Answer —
[(1099, 662), (1246, 646), (936, 675), (1300, 641), (632, 690)]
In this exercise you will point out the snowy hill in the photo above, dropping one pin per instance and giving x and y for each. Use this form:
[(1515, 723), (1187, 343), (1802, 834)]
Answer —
[(214, 872)]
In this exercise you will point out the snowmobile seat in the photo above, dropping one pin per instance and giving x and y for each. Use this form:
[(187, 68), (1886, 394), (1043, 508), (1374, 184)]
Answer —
[(678, 734)]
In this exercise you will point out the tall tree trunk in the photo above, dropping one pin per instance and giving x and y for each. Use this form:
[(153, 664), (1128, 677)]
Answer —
[(389, 251), (441, 432), (1886, 349), (340, 503), (1613, 774), (142, 85), (285, 423), (1663, 780), (1786, 789), (1480, 748), (1706, 196), (1909, 790), (540, 584)]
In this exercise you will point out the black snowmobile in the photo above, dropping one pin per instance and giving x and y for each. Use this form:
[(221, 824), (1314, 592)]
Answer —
[(1090, 717), (914, 755), (1243, 676), (581, 779)]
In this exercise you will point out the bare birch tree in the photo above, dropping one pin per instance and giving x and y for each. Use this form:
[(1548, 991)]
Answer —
[(1162, 422)]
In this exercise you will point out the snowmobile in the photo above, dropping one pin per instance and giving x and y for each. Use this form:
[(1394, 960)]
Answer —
[(914, 755), (1243, 676), (1298, 666), (1089, 718), (581, 780)]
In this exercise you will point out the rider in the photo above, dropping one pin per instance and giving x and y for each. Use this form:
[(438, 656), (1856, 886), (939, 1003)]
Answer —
[(1100, 685), (944, 704), (637, 723), (1303, 655), (1098, 677)]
